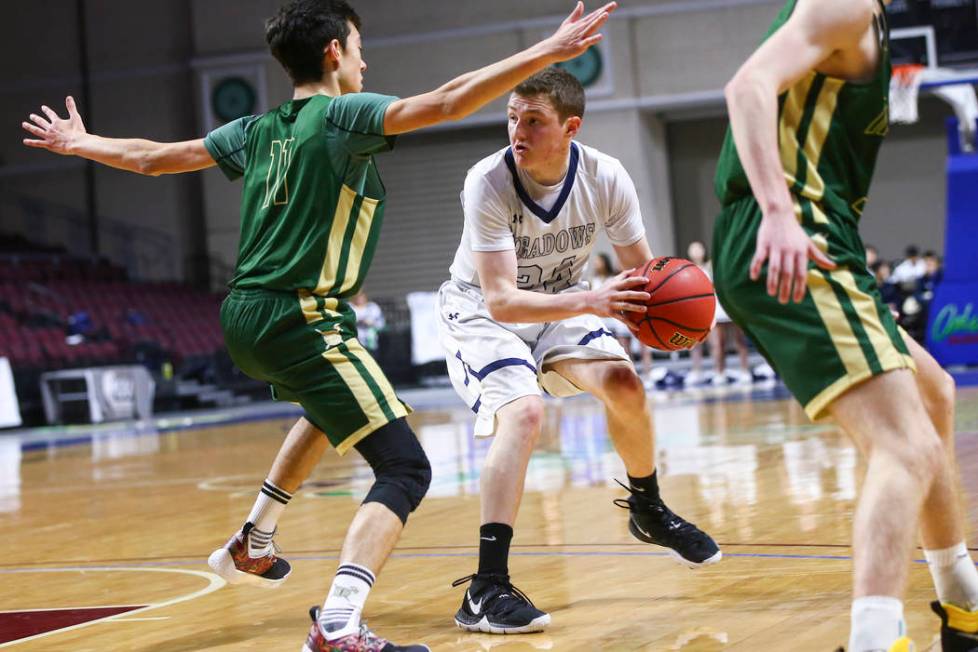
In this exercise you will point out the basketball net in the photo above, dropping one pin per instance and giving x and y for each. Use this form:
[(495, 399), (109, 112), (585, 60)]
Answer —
[(904, 88)]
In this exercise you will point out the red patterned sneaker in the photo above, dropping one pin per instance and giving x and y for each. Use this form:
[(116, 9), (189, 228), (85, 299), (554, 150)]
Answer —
[(363, 640), (233, 563)]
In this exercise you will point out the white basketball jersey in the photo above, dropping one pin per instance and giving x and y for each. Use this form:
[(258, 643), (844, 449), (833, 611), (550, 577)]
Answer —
[(553, 228)]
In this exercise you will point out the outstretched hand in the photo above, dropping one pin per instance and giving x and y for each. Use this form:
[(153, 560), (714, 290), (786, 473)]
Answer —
[(55, 134), (787, 249), (578, 32)]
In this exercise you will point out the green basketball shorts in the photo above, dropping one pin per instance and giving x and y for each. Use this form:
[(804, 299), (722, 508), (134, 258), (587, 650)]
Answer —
[(305, 347), (840, 335)]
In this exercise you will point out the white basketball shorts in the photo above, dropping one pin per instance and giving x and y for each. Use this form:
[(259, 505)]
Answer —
[(491, 363)]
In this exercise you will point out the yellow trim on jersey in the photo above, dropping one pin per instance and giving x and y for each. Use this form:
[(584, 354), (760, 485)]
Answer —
[(815, 407), (364, 221), (843, 337), (312, 313), (791, 114), (818, 132), (356, 349), (365, 398), (887, 353), (341, 218)]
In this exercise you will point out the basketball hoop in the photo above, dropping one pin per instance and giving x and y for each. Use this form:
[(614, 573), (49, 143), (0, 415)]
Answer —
[(904, 87), (954, 87)]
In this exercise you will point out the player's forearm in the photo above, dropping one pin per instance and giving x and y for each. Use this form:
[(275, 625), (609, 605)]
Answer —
[(753, 108), (468, 93), (524, 306), (130, 154)]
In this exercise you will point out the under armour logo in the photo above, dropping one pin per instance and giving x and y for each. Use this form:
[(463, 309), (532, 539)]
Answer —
[(517, 219), (452, 316)]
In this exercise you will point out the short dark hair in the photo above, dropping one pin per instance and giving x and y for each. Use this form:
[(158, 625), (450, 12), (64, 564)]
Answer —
[(911, 251), (560, 87), (301, 30)]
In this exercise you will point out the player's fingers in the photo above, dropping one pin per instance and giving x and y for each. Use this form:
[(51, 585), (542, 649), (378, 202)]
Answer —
[(36, 143), (72, 109), (591, 40), (760, 255), (787, 276), (32, 128), (576, 14), (49, 112), (631, 282), (820, 257), (801, 277), (631, 307), (39, 121), (773, 272), (637, 297)]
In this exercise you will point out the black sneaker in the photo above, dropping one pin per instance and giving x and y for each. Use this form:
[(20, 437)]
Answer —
[(494, 606), (652, 522), (959, 628)]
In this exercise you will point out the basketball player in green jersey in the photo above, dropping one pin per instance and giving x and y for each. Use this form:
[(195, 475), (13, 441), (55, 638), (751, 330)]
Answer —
[(311, 210), (808, 112)]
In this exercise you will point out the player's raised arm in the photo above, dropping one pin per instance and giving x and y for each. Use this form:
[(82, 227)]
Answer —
[(814, 33), (68, 136), (468, 93)]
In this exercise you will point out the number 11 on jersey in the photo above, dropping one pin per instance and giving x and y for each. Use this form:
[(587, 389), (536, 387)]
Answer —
[(277, 189)]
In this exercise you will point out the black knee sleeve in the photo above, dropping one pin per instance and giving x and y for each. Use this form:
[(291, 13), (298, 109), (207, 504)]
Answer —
[(400, 466)]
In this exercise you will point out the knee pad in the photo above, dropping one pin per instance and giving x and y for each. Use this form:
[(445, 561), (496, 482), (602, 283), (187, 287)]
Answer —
[(400, 466)]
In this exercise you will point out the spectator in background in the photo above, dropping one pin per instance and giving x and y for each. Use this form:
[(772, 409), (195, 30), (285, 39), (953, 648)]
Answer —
[(911, 269), (932, 276), (924, 292), (370, 321), (725, 329), (889, 291), (602, 269), (135, 317)]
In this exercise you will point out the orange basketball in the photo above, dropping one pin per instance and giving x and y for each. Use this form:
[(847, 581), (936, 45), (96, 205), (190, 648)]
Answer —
[(681, 308)]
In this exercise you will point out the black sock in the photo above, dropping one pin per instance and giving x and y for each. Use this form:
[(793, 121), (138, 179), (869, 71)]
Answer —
[(494, 541), (647, 487)]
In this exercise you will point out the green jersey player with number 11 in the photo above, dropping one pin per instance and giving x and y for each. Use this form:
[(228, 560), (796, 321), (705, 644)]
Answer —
[(311, 211)]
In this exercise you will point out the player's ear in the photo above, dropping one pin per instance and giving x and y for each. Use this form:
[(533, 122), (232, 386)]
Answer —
[(572, 125), (333, 52)]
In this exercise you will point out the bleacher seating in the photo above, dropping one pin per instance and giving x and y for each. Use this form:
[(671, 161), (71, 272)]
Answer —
[(39, 293)]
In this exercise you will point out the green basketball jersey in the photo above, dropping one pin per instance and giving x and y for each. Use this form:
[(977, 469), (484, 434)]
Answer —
[(312, 202), (829, 130)]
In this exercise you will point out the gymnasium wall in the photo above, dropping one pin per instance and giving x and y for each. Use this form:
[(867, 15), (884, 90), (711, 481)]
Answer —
[(658, 110), (907, 199), (141, 85)]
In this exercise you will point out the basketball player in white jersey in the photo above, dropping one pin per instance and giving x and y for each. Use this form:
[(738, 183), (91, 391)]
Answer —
[(516, 317)]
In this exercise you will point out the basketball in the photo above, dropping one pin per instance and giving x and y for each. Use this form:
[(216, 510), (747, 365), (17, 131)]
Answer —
[(681, 308)]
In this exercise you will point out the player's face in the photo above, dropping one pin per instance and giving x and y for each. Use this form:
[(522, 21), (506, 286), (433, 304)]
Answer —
[(536, 133), (351, 63)]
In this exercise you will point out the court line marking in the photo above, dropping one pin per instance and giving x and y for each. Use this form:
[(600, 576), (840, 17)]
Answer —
[(185, 559), (447, 555), (214, 582)]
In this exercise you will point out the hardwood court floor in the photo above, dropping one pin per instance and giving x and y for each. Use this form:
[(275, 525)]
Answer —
[(126, 523)]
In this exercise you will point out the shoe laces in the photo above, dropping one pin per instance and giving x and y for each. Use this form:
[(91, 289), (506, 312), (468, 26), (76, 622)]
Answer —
[(501, 581), (675, 524)]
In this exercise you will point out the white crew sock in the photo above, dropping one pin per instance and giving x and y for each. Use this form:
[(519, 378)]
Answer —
[(877, 622), (955, 576), (340, 615), (264, 516)]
